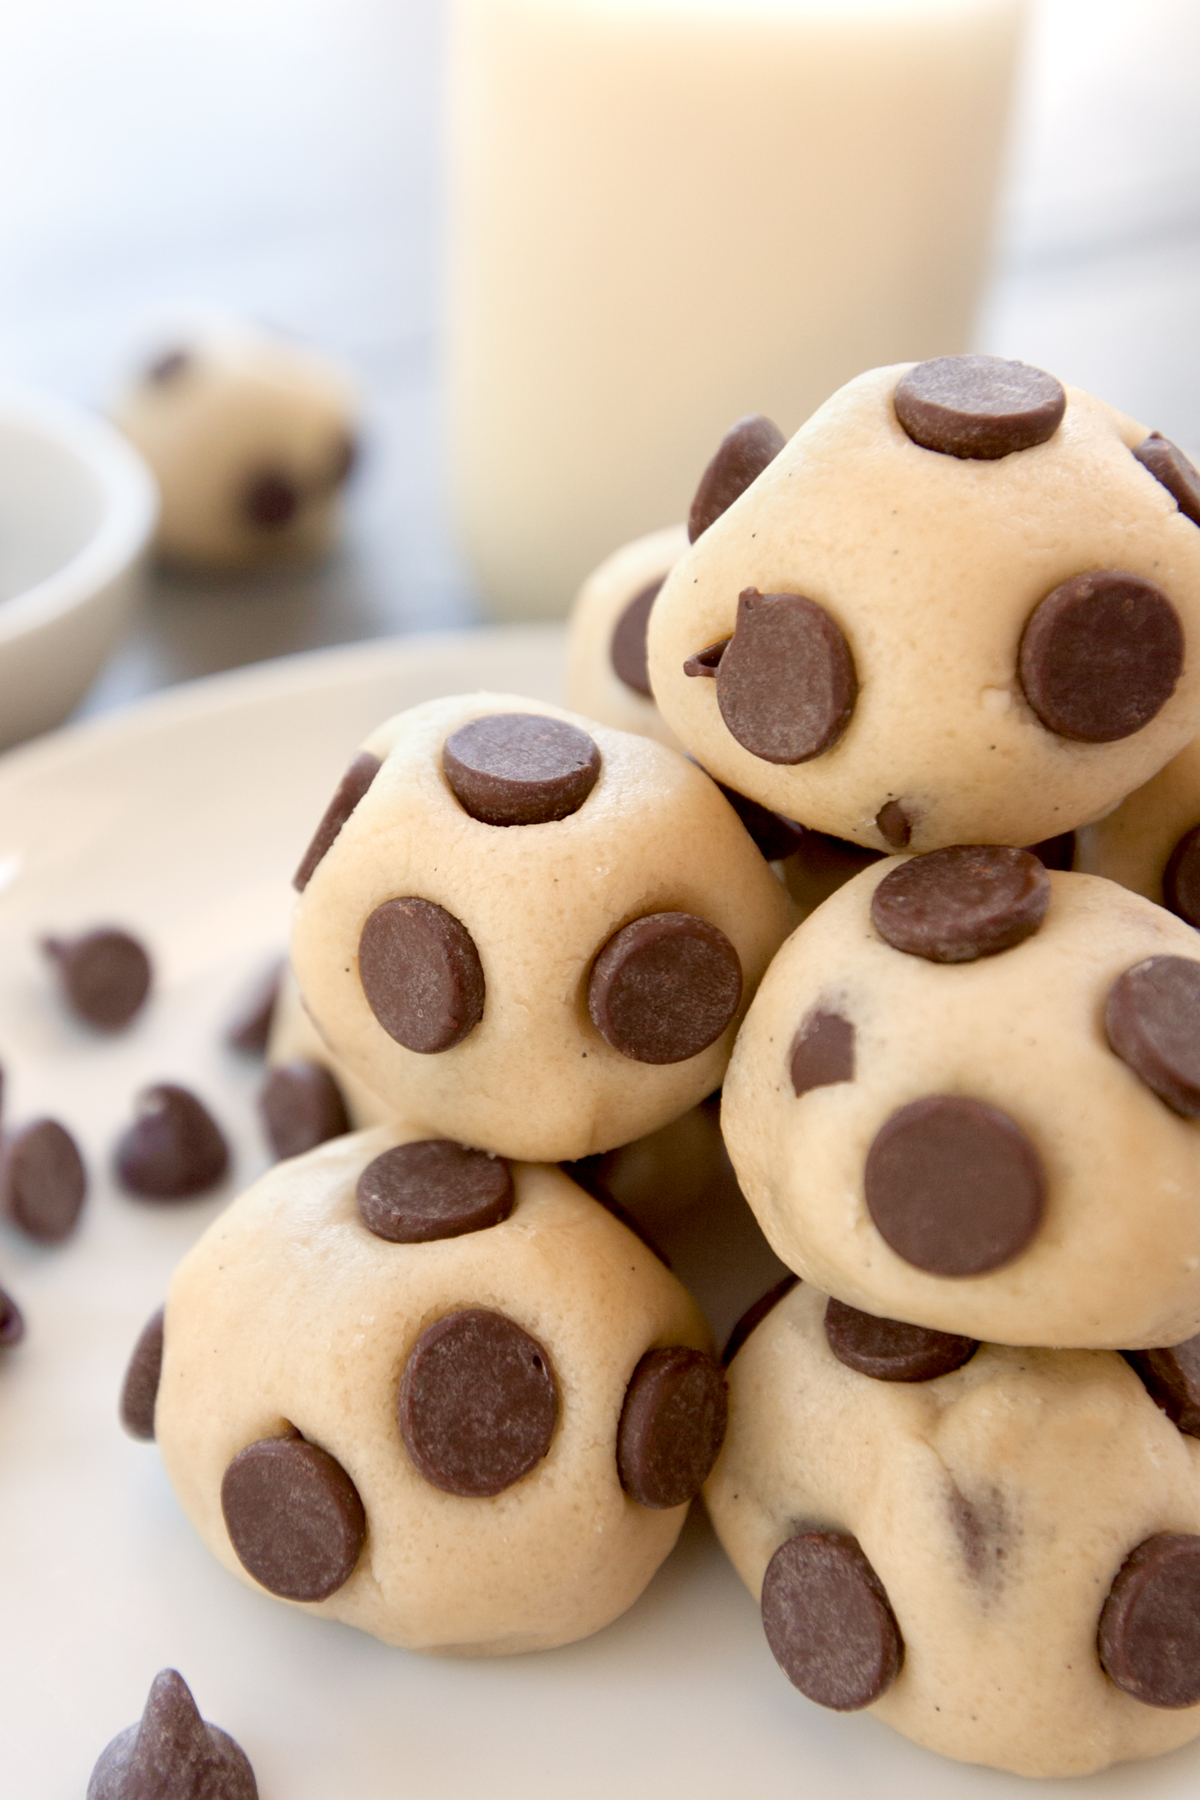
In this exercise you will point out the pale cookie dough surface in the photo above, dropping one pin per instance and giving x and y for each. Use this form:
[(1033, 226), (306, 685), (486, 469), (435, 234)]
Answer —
[(593, 685), (1134, 843), (294, 1038), (290, 1312), (995, 1504), (1115, 1261), (930, 566), (534, 1078)]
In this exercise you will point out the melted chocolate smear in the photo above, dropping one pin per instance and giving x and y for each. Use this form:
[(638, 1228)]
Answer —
[(672, 1426), (520, 768), (742, 455), (1100, 656), (979, 407), (42, 1180), (786, 685), (890, 1350), (104, 975), (627, 646), (1153, 1023), (1149, 1637), (417, 1193), (174, 1149), (301, 1106), (421, 974), (664, 987), (294, 1518), (828, 1621), (822, 1053), (139, 1394), (172, 1754), (958, 904), (350, 790)]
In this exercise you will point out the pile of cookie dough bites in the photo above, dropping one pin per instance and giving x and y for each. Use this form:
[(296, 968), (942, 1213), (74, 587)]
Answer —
[(880, 810)]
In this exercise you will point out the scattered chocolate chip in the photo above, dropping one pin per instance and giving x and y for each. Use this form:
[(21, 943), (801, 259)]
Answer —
[(139, 1394), (742, 455), (1149, 1637), (754, 1315), (822, 1052), (172, 1754), (1100, 656), (1172, 1378), (421, 974), (823, 864), (1167, 463), (980, 407), (1181, 878), (12, 1325), (774, 836), (786, 685), (954, 905), (294, 1517), (415, 1193), (301, 1106), (664, 987), (520, 768), (627, 646), (894, 825), (672, 1426), (104, 975), (42, 1180), (173, 1149), (954, 1186), (1056, 852), (708, 661), (828, 1621), (890, 1350), (270, 500), (478, 1403), (169, 367), (1153, 1023), (250, 1027), (350, 790)]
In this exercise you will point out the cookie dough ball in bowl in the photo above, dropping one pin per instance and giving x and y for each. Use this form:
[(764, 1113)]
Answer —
[(1005, 1542), (529, 931), (448, 1400), (1151, 842), (955, 608), (251, 439), (607, 676), (968, 1096)]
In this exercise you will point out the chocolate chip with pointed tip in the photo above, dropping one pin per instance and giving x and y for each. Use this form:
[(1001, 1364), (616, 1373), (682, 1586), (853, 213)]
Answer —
[(12, 1325), (1152, 1018), (1100, 656), (747, 448), (786, 685), (174, 1149), (421, 975), (672, 1426), (754, 1315), (349, 792), (664, 987), (894, 825), (250, 1027), (979, 407), (1149, 1635), (961, 903), (520, 768), (822, 1053), (1181, 878), (890, 1349), (1168, 465), (301, 1106), (434, 1188), (708, 661), (172, 1754), (43, 1182), (627, 646), (1171, 1377), (829, 1622), (104, 975), (294, 1517), (139, 1391)]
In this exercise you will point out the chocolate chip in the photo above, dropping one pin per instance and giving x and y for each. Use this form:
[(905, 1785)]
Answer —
[(139, 1395), (954, 905), (104, 975), (890, 1350), (672, 1426), (415, 1193), (742, 455), (1100, 656), (478, 1403), (1149, 1637), (270, 500), (42, 1180), (1153, 1024), (520, 768), (250, 1027), (774, 836), (421, 974), (294, 1517), (350, 790), (664, 987), (12, 1325), (828, 1621), (894, 825), (707, 662), (823, 864), (1172, 1378), (754, 1315), (173, 1149), (822, 1052), (1056, 852), (301, 1106), (1167, 463), (1181, 878), (979, 407), (169, 367), (627, 646), (786, 685), (172, 1754), (954, 1186)]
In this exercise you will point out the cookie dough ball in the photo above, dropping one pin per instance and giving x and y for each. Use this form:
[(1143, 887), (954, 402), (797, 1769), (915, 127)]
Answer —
[(955, 608), (531, 932), (968, 1095), (1151, 842), (251, 440), (607, 676), (448, 1400), (996, 1550)]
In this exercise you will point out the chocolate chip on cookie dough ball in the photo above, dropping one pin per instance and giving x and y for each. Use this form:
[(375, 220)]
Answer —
[(959, 606), (1151, 842), (530, 931), (607, 678)]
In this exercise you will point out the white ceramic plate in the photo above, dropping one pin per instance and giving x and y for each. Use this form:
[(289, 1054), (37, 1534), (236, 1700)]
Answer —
[(183, 819)]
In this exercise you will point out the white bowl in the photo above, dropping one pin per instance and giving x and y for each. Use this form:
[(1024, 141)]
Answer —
[(77, 507)]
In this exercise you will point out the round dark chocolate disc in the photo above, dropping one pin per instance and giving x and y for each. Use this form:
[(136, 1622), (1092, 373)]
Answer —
[(1153, 1024), (1167, 463), (979, 407), (349, 792), (786, 684), (890, 1350), (742, 455), (301, 1106), (1181, 878), (828, 1621), (1149, 1637), (105, 975), (42, 1180), (822, 1052), (754, 1315), (1172, 1378), (174, 1148), (1100, 656), (664, 987), (421, 974), (520, 768), (270, 500), (627, 646), (139, 1394), (672, 1426), (294, 1517), (416, 1193), (955, 905)]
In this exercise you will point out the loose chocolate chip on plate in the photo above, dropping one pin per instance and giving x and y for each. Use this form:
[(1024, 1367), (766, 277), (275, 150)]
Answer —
[(894, 825), (954, 1186), (1100, 656), (301, 1106), (350, 790), (1167, 463), (774, 836), (828, 1621), (294, 1517), (520, 768), (786, 685), (890, 1350), (822, 1052), (174, 1148), (672, 1426), (421, 974), (664, 987), (139, 1394), (12, 1325), (478, 1403), (954, 905), (104, 975), (707, 661), (1172, 1378), (270, 500), (42, 1180), (979, 407), (1149, 1637), (250, 1027), (1153, 1024), (416, 1193), (172, 1754), (1181, 878), (754, 1315), (627, 646), (742, 455), (1056, 852)]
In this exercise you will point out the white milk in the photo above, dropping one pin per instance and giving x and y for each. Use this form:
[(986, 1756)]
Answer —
[(668, 213)]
